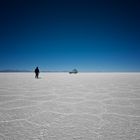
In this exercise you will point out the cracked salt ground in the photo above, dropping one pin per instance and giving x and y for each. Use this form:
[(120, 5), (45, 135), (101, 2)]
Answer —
[(59, 106)]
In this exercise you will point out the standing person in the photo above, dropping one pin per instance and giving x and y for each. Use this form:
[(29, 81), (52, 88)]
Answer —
[(36, 72)]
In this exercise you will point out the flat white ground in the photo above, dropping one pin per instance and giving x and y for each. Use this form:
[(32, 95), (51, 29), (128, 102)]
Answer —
[(60, 106)]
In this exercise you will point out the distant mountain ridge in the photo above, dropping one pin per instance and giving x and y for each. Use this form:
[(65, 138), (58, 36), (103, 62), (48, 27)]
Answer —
[(12, 70)]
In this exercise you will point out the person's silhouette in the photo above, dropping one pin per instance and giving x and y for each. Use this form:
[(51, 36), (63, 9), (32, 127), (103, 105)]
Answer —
[(36, 72)]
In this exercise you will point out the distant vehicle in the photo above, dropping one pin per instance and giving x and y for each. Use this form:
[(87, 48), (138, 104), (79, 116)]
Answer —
[(74, 71)]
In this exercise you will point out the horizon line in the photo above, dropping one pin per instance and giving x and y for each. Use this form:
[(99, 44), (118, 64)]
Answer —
[(59, 71)]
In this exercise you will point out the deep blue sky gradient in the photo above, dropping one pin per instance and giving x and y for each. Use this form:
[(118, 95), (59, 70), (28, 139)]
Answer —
[(90, 35)]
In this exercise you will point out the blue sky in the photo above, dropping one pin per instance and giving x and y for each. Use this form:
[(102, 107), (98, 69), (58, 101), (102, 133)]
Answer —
[(90, 35)]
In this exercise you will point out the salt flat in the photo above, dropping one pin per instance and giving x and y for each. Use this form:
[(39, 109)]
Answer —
[(60, 106)]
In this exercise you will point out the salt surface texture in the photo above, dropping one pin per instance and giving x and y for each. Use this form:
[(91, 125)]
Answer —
[(60, 106)]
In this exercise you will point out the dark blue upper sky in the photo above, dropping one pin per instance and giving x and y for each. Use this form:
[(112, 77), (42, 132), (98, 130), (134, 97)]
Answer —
[(90, 35)]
